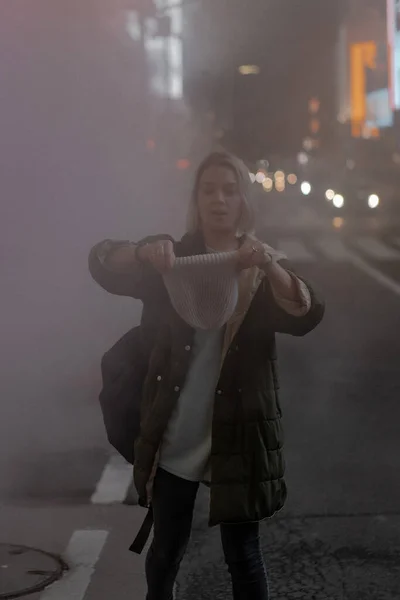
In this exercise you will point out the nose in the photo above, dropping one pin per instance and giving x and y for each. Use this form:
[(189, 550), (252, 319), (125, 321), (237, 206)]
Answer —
[(219, 197)]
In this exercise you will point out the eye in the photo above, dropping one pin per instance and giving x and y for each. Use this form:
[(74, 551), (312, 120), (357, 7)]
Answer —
[(230, 190), (208, 190)]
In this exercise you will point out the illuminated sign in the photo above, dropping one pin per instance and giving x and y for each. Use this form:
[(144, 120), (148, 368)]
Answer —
[(371, 108), (393, 22), (361, 56)]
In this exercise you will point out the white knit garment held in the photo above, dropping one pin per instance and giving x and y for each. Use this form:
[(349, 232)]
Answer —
[(204, 289)]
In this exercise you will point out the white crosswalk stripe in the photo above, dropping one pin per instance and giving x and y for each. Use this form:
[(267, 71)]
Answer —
[(114, 483), (337, 250), (333, 249), (295, 250), (81, 556), (374, 248)]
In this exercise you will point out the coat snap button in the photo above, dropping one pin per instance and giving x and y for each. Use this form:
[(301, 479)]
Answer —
[(219, 392), (188, 348), (159, 378), (177, 388)]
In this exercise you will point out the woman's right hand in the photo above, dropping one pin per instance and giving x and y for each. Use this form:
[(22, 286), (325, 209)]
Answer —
[(159, 255)]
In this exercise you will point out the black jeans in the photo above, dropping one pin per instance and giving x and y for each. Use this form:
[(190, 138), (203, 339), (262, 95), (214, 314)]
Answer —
[(173, 505)]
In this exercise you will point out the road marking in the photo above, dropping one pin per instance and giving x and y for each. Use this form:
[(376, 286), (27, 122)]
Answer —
[(397, 241), (333, 248), (295, 250), (81, 556), (376, 249), (336, 250), (114, 483), (384, 280)]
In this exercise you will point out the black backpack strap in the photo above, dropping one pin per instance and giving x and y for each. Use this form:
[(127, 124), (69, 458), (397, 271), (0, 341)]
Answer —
[(144, 533)]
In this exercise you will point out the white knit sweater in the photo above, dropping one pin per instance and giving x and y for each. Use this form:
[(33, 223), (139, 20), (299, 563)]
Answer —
[(186, 447)]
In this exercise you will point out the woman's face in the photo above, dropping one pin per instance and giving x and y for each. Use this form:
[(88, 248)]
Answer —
[(219, 200)]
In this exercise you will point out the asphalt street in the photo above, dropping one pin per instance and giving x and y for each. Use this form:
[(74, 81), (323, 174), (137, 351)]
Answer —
[(339, 535)]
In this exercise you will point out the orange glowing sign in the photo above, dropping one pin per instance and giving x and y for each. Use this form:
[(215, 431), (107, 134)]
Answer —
[(362, 56)]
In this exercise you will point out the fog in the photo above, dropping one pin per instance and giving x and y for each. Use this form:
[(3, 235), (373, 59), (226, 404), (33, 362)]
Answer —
[(74, 169)]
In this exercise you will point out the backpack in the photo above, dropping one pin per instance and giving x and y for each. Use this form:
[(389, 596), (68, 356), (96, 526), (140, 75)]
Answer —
[(123, 370)]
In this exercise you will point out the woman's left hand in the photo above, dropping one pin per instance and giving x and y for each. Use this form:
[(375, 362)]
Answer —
[(253, 253)]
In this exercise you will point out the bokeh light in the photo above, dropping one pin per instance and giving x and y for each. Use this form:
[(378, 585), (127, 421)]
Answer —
[(260, 177), (302, 158), (338, 201), (306, 188), (249, 69), (373, 201), (338, 222), (268, 184), (183, 164)]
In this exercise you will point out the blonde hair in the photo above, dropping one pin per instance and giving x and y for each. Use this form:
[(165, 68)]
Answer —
[(224, 159)]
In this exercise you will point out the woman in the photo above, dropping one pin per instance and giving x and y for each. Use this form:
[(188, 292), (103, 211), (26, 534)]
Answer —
[(211, 410)]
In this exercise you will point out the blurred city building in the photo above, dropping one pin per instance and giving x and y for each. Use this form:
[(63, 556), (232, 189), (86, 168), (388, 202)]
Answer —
[(243, 70), (368, 90)]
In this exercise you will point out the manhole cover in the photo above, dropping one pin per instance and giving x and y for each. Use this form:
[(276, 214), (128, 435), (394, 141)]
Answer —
[(25, 570)]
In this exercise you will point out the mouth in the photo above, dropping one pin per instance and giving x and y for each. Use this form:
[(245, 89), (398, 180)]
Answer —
[(219, 213)]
